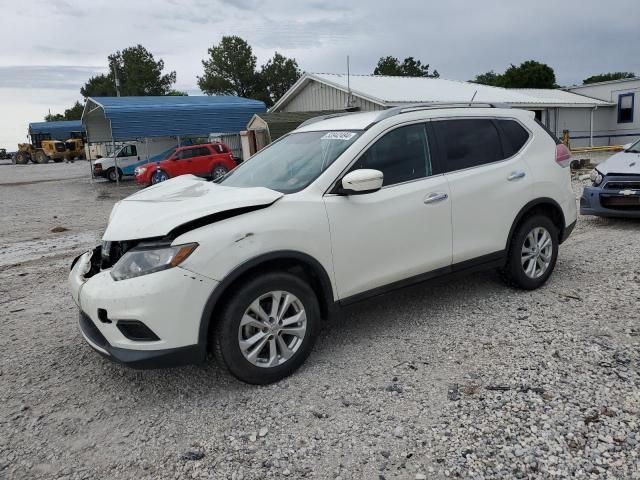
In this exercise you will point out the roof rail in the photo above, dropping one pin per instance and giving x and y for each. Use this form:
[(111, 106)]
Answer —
[(324, 117), (415, 107)]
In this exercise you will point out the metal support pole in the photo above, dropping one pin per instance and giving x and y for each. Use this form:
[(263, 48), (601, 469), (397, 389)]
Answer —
[(591, 127), (115, 161), (88, 147)]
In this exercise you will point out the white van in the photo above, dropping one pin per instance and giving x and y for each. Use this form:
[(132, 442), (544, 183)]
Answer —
[(132, 155)]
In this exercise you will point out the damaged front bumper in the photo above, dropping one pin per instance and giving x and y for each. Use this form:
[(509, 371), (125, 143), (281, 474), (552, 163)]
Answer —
[(149, 321), (614, 198)]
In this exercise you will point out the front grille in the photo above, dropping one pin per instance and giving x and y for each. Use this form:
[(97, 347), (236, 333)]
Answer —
[(60, 147), (620, 202), (622, 185), (69, 145)]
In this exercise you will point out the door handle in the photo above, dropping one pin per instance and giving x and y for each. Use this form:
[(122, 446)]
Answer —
[(515, 176), (435, 197)]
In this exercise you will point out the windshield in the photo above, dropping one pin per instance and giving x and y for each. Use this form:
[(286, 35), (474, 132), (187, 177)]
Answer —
[(293, 162), (635, 148)]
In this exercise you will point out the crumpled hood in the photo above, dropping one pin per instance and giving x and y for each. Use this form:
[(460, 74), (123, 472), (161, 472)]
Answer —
[(621, 162), (157, 210)]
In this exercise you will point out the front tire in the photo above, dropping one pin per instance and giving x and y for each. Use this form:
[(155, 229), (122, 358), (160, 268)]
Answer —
[(532, 255), (267, 328), (159, 176), (21, 158), (112, 176)]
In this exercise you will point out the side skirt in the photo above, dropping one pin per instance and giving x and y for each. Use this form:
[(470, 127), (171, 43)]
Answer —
[(485, 262)]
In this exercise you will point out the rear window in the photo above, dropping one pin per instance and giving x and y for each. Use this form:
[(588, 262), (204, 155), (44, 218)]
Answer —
[(467, 143), (515, 136)]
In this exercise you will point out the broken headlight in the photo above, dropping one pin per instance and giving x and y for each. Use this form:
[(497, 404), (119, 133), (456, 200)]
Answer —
[(143, 260), (596, 177)]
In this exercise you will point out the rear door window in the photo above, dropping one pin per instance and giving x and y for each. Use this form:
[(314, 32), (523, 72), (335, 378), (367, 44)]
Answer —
[(466, 143), (514, 135)]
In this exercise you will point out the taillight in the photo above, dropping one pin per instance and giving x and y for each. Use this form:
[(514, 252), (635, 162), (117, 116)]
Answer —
[(563, 155)]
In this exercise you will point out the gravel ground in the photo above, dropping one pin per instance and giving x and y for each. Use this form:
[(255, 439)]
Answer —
[(459, 379)]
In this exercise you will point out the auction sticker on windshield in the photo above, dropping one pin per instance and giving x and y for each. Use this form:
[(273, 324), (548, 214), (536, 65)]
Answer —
[(338, 136)]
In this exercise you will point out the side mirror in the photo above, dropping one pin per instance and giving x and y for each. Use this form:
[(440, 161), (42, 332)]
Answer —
[(361, 181)]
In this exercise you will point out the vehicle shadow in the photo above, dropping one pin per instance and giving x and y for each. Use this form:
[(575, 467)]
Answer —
[(354, 328)]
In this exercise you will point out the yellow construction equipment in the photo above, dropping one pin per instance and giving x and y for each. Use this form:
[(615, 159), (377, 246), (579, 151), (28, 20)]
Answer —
[(48, 150), (43, 150)]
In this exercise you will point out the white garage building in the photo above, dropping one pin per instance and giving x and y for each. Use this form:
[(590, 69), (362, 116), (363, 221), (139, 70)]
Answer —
[(616, 124), (557, 109)]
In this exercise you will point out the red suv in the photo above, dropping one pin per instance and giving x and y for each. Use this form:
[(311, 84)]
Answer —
[(207, 160)]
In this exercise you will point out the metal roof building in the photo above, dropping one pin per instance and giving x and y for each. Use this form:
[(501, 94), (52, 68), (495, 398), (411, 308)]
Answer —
[(280, 123), (327, 91), (558, 109), (128, 118), (56, 130)]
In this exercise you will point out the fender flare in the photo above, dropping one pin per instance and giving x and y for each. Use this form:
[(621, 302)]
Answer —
[(532, 204), (219, 290)]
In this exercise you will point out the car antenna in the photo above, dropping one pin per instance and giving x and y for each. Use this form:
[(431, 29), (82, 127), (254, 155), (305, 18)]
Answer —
[(474, 96)]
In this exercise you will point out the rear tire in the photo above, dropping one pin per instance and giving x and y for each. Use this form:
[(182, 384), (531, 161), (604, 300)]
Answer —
[(290, 328), (41, 157), (532, 254), (219, 171)]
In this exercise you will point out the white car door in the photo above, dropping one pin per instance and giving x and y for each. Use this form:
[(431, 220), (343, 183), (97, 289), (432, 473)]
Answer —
[(489, 179), (128, 159), (401, 231)]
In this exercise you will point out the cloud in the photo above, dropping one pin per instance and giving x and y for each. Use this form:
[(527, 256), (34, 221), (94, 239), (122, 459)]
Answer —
[(55, 77), (459, 38)]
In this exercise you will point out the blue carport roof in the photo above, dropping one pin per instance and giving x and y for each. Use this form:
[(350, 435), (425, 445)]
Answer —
[(58, 130), (141, 117)]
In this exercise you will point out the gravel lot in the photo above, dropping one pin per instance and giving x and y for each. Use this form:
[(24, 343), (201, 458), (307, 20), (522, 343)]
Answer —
[(460, 379)]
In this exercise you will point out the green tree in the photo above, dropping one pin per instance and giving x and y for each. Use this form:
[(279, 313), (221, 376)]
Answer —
[(605, 77), (410, 67), (230, 69), (388, 66), (529, 74), (277, 76), (139, 73), (73, 113), (489, 78)]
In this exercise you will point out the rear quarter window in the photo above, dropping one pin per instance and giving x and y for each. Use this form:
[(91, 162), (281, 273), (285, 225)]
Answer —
[(515, 136)]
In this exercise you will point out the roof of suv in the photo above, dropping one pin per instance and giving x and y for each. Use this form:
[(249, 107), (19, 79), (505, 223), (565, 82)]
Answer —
[(185, 147), (363, 120)]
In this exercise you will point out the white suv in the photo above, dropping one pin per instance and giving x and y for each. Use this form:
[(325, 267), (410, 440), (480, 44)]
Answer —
[(343, 208)]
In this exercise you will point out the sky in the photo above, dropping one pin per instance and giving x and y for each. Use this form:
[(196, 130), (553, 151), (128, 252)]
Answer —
[(49, 48)]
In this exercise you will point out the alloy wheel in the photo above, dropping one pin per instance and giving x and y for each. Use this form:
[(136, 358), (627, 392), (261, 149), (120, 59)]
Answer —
[(218, 172), (537, 251), (272, 329)]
